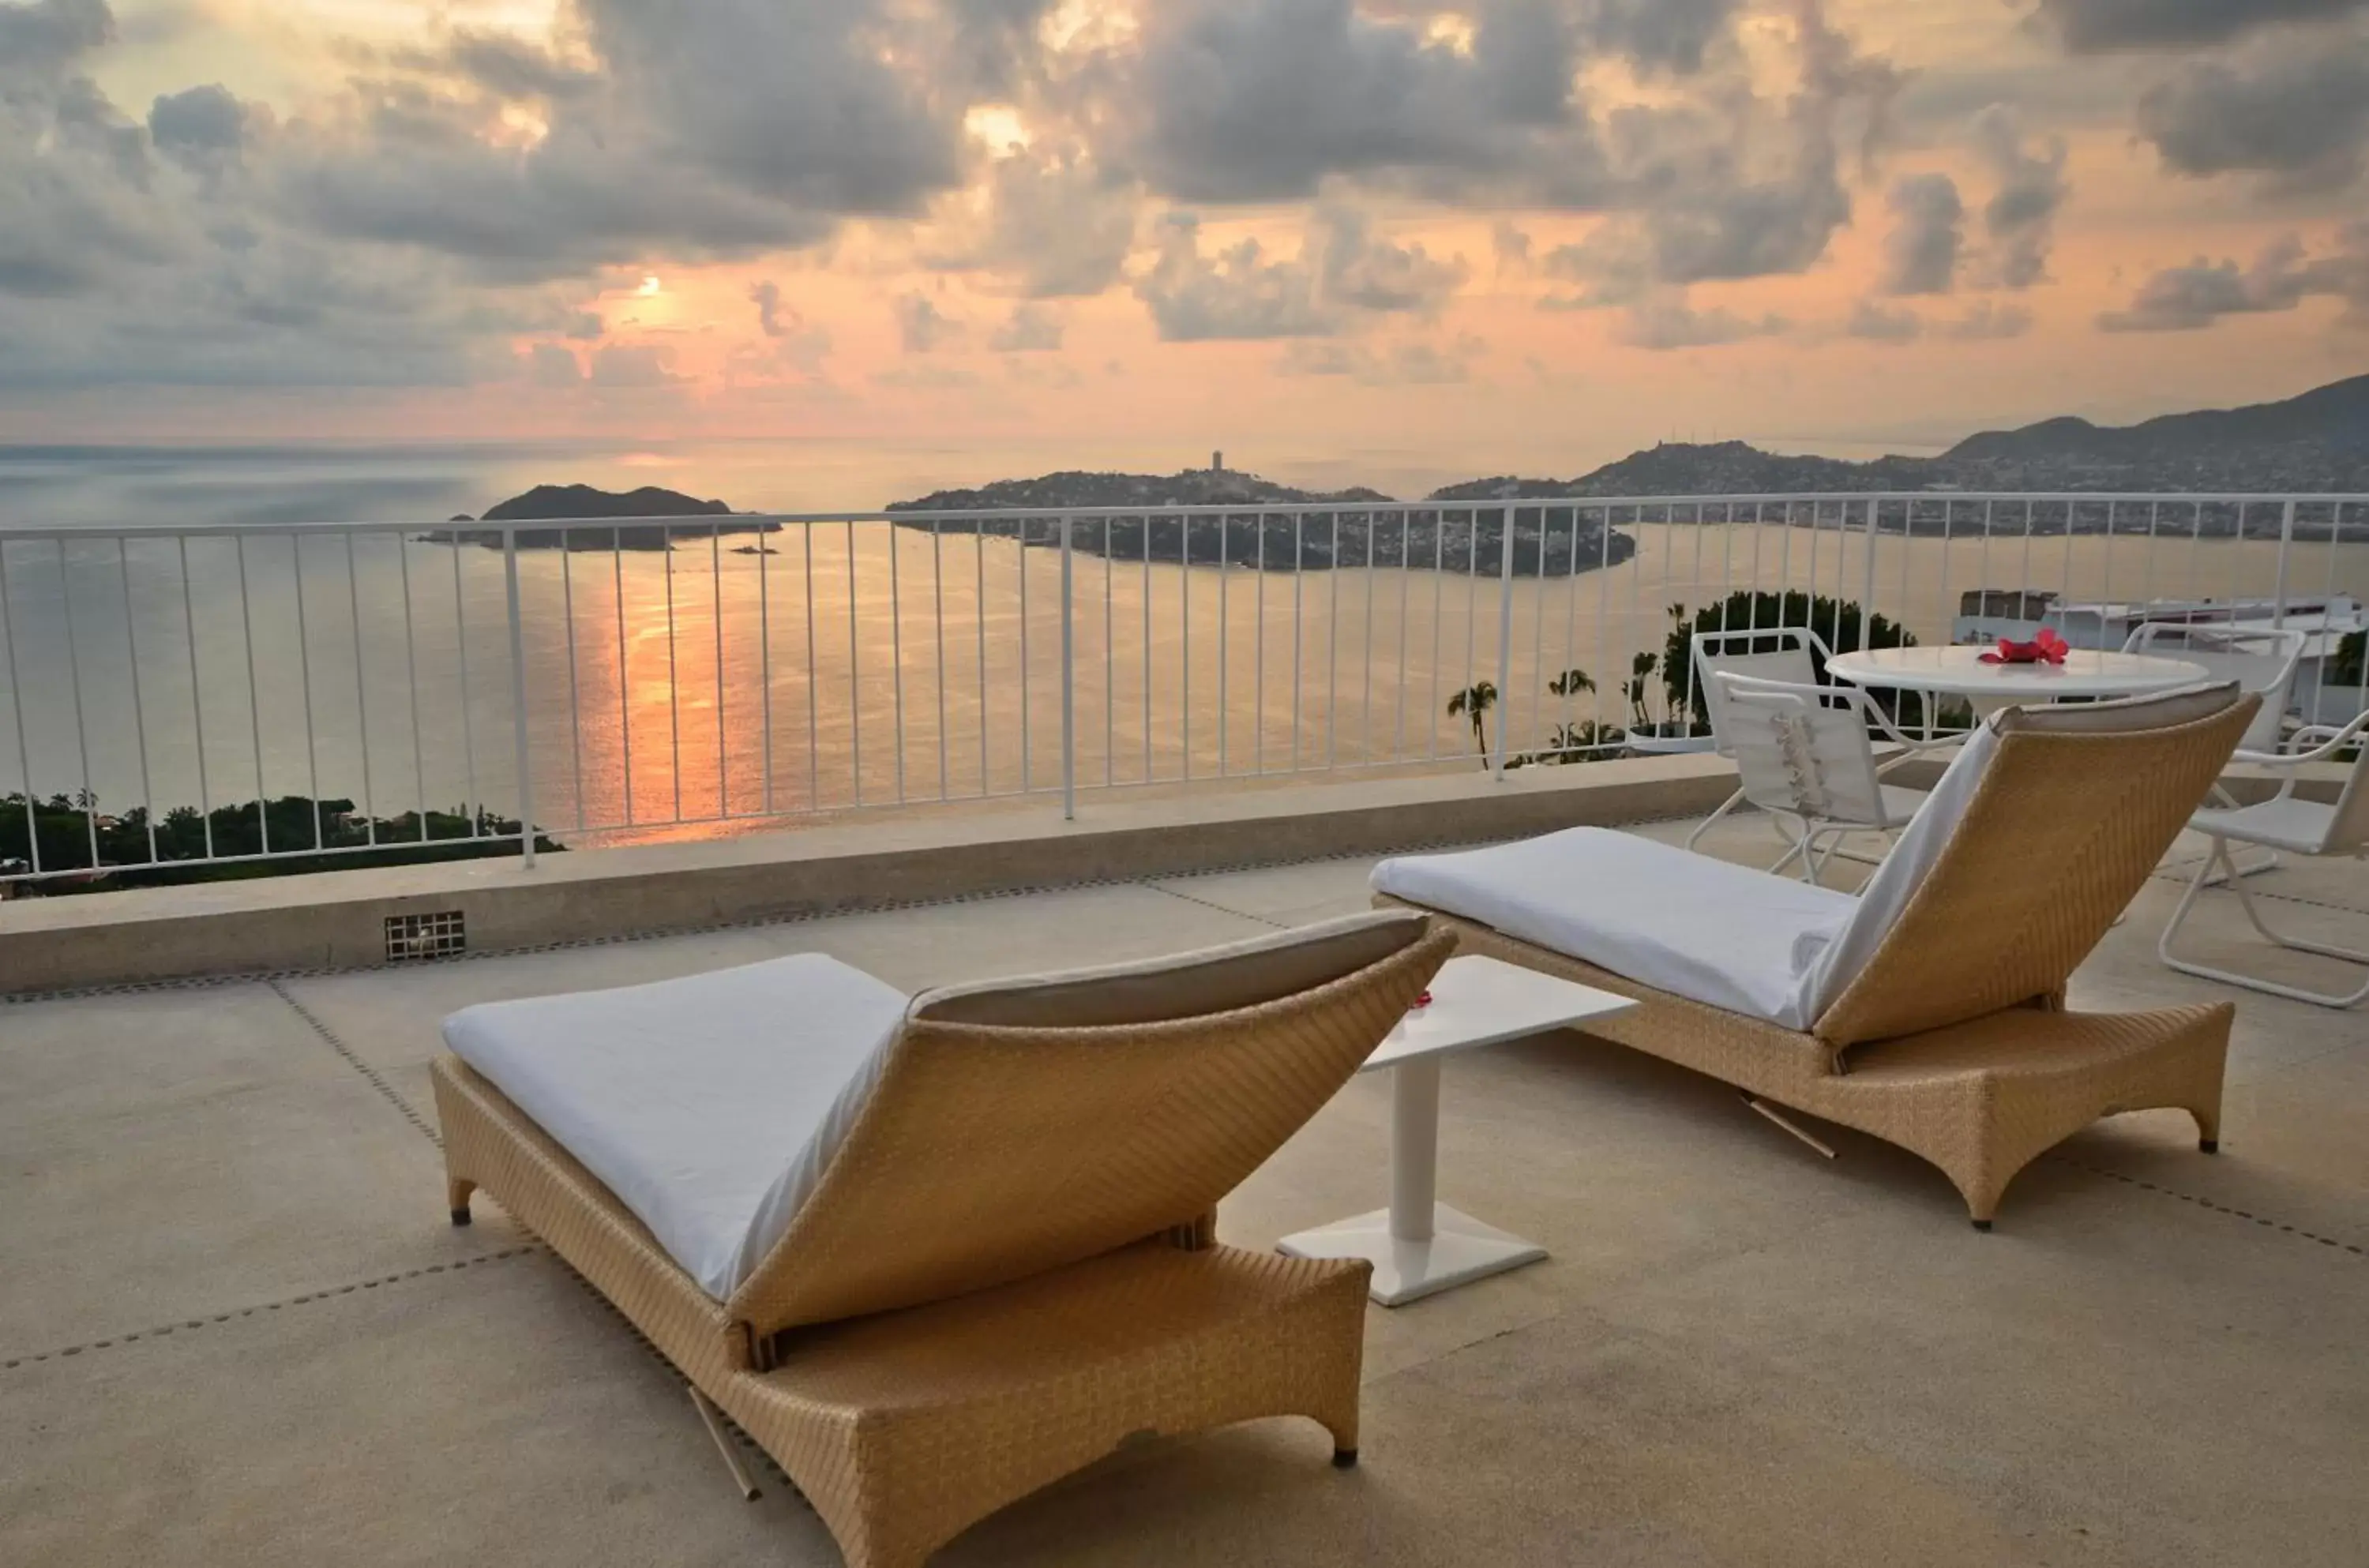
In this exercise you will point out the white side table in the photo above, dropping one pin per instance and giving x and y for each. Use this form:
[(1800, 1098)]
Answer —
[(1419, 1246)]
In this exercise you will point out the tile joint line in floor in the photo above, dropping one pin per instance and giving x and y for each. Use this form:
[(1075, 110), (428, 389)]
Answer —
[(325, 1293), (369, 1074), (1207, 904), (2265, 1222)]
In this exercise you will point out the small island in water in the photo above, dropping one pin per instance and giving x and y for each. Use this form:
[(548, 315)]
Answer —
[(577, 502), (1260, 527)]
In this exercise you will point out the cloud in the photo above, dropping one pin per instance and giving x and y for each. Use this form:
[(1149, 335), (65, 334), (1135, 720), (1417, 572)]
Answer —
[(798, 344), (2297, 112), (1920, 255), (1262, 100), (994, 42), (551, 365), (1057, 224), (1235, 294), (2020, 217), (1031, 329), (419, 167), (721, 130), (1988, 321), (1660, 35), (767, 297), (40, 40), (1876, 324), (2190, 298), (510, 67), (1345, 275), (1510, 247), (2094, 26), (202, 126), (1365, 273), (1668, 321), (1740, 188), (632, 367), (922, 326), (793, 101)]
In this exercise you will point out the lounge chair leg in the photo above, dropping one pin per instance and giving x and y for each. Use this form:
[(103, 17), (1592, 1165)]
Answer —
[(1786, 1122), (457, 1193), (712, 1419), (1345, 1458), (2208, 1145), (1983, 1225)]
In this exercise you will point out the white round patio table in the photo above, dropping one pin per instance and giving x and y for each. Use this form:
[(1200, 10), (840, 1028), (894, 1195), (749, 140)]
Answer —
[(1960, 672)]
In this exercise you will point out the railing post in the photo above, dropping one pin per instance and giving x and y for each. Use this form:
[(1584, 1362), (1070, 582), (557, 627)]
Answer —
[(518, 698), (1867, 583), (2286, 538), (1069, 680), (1505, 637)]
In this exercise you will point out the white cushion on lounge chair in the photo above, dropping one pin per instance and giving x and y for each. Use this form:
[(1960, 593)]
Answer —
[(1725, 935), (1722, 935), (1828, 972), (710, 1104)]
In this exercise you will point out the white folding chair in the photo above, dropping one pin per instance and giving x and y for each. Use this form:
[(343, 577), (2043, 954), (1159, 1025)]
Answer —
[(2260, 659), (1780, 654), (1763, 653), (2294, 826), (1806, 756)]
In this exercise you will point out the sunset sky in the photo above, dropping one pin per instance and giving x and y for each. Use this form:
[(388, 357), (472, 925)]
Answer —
[(1540, 231)]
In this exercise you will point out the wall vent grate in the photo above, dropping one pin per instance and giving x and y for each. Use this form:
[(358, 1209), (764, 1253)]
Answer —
[(410, 938)]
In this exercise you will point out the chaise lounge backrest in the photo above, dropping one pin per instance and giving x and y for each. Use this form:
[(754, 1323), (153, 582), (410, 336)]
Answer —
[(2068, 813), (1025, 1125)]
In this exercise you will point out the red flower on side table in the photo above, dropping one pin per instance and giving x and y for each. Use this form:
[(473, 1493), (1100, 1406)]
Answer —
[(2047, 648)]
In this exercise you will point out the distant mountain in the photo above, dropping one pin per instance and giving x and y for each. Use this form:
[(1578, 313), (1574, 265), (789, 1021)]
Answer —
[(2330, 422), (1277, 540), (573, 502), (2317, 441)]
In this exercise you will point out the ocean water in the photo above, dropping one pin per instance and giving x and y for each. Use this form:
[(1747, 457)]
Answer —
[(50, 487), (850, 664)]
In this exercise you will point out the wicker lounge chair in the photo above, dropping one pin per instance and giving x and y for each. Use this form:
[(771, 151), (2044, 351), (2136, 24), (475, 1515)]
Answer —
[(1927, 1012), (995, 1257)]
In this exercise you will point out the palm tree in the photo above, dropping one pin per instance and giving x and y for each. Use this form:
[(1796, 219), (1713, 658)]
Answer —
[(1475, 700), (1572, 682), (1641, 669)]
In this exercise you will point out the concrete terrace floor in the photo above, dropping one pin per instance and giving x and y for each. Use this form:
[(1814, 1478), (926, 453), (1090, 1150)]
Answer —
[(235, 1328)]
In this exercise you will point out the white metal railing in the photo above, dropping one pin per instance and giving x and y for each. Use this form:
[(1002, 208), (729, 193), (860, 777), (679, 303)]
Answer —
[(385, 687)]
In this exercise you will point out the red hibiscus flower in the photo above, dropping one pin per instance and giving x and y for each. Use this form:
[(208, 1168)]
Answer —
[(2046, 647)]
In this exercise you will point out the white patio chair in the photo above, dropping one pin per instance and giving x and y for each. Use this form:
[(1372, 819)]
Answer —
[(1806, 756), (2262, 660), (2284, 823), (1780, 653)]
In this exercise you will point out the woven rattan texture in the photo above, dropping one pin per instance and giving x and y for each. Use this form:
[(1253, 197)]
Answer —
[(995, 1333), (1979, 1100), (2060, 834), (1070, 1142)]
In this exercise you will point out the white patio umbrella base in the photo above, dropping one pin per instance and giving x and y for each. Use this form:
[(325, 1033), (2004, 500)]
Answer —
[(1460, 1250)]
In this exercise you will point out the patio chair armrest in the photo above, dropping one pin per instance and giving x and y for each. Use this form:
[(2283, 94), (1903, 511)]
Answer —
[(2338, 739)]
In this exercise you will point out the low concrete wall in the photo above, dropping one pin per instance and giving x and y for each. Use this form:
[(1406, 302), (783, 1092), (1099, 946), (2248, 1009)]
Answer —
[(337, 920)]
